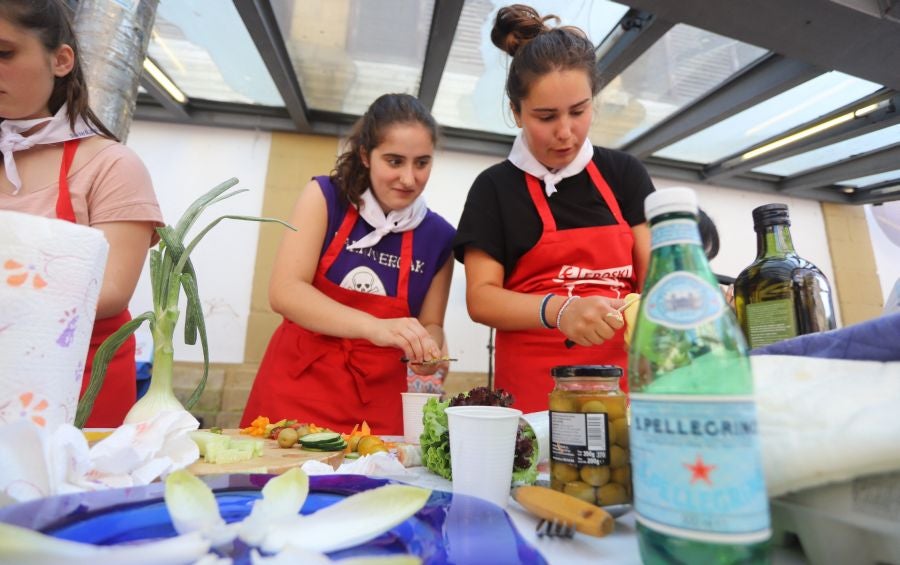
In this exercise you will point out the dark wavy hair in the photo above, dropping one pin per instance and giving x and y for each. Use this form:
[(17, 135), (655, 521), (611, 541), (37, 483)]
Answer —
[(537, 49), (51, 21), (350, 175)]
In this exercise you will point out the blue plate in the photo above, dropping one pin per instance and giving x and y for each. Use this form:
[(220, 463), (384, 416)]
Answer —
[(449, 529)]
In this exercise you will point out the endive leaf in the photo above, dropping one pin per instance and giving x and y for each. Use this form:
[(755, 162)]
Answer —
[(193, 508), (27, 547), (101, 360), (282, 499), (349, 522)]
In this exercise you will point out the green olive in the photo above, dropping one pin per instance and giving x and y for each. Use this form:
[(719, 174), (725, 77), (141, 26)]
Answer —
[(287, 437), (622, 475), (616, 407), (594, 475), (621, 428), (618, 457), (563, 403), (612, 493), (557, 484), (563, 471), (611, 432), (581, 490), (594, 406)]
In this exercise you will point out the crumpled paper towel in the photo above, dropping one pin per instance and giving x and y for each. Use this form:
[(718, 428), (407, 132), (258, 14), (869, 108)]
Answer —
[(825, 420), (380, 464), (50, 280), (37, 462)]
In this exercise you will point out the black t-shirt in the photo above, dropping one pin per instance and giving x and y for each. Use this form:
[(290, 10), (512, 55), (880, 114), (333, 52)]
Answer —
[(500, 219)]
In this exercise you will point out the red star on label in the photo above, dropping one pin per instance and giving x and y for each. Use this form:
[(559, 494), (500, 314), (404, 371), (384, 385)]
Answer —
[(699, 470)]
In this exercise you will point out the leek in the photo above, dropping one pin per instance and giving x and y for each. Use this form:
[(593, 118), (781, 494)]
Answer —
[(171, 272)]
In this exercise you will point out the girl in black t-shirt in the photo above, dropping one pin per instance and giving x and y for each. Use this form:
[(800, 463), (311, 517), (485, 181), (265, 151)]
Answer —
[(555, 237)]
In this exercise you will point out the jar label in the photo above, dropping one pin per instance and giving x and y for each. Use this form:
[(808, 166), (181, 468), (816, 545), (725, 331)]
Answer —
[(682, 300), (675, 232), (771, 321), (579, 439), (696, 467)]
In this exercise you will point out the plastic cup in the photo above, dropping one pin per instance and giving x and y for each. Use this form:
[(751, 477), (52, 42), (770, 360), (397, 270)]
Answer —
[(482, 450), (413, 403)]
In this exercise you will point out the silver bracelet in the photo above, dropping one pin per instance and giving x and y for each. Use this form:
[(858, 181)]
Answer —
[(563, 309)]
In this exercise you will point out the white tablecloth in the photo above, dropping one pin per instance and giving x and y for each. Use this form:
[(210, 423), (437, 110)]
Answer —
[(620, 548)]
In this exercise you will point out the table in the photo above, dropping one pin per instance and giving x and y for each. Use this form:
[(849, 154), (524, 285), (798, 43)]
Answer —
[(619, 548)]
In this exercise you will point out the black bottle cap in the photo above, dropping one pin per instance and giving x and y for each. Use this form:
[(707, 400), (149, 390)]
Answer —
[(586, 371), (771, 215)]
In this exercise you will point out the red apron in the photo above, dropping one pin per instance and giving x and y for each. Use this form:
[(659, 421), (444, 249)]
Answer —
[(330, 381), (119, 390), (590, 261)]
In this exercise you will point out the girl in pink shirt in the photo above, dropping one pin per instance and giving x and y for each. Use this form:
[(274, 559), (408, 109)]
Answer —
[(59, 161)]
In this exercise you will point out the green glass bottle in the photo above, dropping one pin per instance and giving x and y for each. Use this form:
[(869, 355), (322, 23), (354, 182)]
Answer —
[(699, 491), (780, 295)]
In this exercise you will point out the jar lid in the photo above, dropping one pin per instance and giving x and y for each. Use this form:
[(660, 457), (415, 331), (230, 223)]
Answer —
[(568, 371)]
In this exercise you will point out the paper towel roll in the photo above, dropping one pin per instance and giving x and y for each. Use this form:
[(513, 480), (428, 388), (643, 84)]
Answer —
[(51, 272)]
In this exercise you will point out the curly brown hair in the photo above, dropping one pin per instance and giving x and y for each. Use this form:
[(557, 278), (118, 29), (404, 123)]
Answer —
[(51, 21), (350, 174), (538, 49)]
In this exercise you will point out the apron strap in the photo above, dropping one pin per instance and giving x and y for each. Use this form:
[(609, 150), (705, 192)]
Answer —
[(605, 192), (540, 202), (64, 210)]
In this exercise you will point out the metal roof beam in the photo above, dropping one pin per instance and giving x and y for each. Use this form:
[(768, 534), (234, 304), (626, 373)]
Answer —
[(877, 193), (259, 19), (766, 78), (634, 34), (886, 113), (440, 39), (871, 163)]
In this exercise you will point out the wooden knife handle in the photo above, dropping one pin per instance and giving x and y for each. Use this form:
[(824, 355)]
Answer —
[(551, 505)]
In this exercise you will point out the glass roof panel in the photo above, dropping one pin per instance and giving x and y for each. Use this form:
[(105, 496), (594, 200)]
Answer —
[(472, 90), (684, 65), (207, 52), (346, 53), (872, 179), (831, 153), (789, 109)]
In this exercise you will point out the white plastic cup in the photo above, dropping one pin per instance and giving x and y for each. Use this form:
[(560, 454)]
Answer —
[(482, 450), (413, 403)]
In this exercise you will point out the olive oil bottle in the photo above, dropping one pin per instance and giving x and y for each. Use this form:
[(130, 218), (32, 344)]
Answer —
[(780, 295)]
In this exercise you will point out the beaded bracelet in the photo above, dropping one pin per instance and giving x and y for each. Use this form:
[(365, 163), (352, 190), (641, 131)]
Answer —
[(544, 302), (563, 309)]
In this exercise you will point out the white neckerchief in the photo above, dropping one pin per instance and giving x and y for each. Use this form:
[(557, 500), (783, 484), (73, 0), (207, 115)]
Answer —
[(521, 157), (400, 220), (56, 131)]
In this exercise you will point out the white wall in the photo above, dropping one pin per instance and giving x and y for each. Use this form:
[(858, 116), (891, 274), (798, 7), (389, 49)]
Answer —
[(186, 161)]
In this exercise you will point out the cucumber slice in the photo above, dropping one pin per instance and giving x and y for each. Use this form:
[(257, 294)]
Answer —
[(320, 449), (321, 437)]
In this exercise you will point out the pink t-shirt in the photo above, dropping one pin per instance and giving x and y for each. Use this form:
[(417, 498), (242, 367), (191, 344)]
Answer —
[(112, 186)]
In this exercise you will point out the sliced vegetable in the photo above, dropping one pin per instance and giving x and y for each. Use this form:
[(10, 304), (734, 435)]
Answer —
[(27, 547), (349, 522)]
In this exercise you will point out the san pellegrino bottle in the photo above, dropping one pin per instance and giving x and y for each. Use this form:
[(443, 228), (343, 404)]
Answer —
[(780, 295), (699, 491)]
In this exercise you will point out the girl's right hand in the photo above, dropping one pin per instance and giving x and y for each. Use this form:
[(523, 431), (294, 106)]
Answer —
[(407, 334), (591, 320)]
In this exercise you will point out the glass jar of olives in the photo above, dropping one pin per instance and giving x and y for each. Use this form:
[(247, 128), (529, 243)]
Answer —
[(589, 456)]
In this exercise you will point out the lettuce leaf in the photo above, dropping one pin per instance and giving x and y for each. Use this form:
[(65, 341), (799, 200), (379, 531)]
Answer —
[(435, 441)]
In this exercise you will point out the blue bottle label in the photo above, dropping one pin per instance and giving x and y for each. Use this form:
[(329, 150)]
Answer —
[(682, 300), (675, 232), (696, 467)]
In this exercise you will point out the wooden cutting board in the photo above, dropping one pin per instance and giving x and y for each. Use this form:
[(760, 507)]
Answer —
[(274, 460)]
